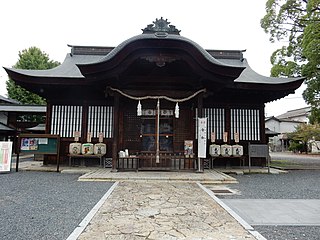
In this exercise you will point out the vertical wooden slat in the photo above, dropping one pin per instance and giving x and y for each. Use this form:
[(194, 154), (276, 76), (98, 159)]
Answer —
[(53, 120), (217, 113), (259, 125), (107, 123), (112, 121), (59, 114)]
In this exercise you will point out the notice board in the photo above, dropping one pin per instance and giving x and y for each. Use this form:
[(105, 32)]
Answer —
[(44, 144), (36, 144)]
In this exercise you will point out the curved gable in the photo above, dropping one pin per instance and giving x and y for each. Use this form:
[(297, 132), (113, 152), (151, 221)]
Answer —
[(161, 52)]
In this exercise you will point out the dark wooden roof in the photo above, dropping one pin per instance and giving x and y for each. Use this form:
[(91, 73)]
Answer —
[(6, 128), (154, 61), (23, 108), (4, 100)]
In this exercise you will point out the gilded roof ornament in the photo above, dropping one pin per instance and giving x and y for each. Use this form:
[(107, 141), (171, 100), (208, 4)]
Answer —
[(161, 25)]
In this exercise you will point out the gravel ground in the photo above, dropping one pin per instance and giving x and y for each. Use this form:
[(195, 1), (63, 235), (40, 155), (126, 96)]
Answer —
[(45, 205), (299, 184), (307, 161)]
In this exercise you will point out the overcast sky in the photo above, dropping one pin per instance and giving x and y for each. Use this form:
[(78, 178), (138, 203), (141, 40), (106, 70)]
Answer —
[(214, 24)]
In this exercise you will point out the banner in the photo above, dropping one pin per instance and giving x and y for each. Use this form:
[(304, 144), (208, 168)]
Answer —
[(202, 137), (5, 156)]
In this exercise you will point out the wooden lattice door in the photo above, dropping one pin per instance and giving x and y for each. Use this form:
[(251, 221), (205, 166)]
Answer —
[(131, 132)]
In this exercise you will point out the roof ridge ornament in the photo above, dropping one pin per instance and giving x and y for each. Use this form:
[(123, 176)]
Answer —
[(161, 25)]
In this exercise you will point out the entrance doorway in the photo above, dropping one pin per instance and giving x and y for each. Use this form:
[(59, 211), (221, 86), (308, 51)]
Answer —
[(139, 135), (149, 133)]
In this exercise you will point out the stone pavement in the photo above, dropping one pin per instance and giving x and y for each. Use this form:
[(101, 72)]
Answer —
[(162, 210), (208, 176), (284, 212), (158, 205)]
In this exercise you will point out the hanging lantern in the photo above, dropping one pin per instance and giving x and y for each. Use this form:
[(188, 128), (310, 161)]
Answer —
[(176, 111), (139, 109)]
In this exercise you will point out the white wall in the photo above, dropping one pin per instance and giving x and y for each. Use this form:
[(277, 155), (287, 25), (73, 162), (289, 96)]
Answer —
[(287, 127), (273, 125)]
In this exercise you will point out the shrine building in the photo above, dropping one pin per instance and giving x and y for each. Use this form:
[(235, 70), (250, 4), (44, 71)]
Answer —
[(145, 97)]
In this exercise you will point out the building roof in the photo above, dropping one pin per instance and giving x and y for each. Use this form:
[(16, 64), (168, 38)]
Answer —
[(40, 127), (181, 63), (295, 113), (282, 120), (23, 108), (4, 100), (6, 128), (88, 55), (270, 133)]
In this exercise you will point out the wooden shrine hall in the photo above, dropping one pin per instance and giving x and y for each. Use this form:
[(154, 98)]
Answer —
[(145, 97)]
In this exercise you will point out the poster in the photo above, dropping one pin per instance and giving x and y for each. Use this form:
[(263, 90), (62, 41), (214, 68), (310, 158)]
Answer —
[(43, 141), (29, 144), (202, 137), (188, 148), (5, 156)]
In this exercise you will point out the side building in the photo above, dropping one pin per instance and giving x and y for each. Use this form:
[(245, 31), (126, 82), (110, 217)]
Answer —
[(18, 118), (284, 124)]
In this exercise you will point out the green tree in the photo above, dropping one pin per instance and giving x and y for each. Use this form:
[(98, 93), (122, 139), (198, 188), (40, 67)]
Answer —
[(33, 59), (303, 135), (297, 24)]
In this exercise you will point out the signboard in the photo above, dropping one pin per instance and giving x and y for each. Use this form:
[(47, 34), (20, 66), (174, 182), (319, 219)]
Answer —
[(236, 137), (259, 150), (76, 136), (225, 137), (213, 137), (202, 137), (5, 156), (101, 135), (89, 136)]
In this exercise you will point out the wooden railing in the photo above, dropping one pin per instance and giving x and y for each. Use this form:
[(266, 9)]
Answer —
[(147, 161)]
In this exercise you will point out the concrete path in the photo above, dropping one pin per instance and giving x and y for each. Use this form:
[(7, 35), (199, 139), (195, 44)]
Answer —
[(293, 212), (162, 210)]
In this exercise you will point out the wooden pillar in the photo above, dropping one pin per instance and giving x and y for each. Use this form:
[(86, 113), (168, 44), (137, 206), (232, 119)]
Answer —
[(200, 115), (200, 105), (84, 127), (48, 127), (48, 117), (115, 132), (262, 126)]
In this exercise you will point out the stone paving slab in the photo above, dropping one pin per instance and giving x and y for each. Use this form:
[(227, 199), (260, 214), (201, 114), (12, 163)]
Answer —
[(162, 210), (292, 212), (208, 176)]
